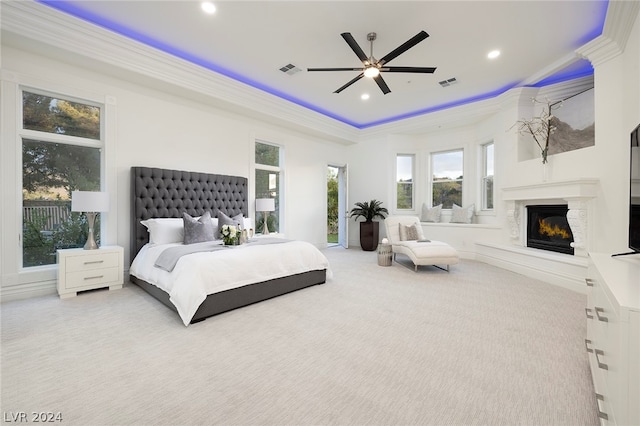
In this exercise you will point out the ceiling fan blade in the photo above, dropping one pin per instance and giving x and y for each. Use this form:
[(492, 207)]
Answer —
[(403, 47), (381, 84), (355, 47), (335, 69), (425, 70), (350, 83)]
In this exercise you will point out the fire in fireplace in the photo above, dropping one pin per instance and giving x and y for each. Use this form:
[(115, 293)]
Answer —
[(548, 228)]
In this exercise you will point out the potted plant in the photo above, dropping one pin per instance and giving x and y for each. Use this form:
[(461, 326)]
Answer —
[(369, 230)]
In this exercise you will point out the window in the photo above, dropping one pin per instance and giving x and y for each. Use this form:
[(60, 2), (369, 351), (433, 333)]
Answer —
[(61, 153), (268, 165), (404, 182), (487, 176), (446, 180)]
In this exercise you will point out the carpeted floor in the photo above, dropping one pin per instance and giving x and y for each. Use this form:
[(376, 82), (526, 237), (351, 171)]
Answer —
[(373, 346)]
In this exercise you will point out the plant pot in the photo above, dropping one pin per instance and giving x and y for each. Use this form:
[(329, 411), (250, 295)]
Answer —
[(369, 232)]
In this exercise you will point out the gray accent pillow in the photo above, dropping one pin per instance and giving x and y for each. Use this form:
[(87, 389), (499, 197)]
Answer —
[(223, 219), (197, 230), (409, 232), (431, 214), (462, 215)]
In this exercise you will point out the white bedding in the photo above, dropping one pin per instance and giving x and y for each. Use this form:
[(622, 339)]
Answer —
[(199, 274)]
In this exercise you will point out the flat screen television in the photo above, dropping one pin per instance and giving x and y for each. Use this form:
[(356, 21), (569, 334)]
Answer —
[(634, 192)]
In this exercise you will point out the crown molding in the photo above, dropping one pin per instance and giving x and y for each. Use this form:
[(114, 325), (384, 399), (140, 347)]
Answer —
[(621, 16), (49, 27)]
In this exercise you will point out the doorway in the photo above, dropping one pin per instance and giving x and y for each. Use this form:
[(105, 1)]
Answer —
[(337, 212)]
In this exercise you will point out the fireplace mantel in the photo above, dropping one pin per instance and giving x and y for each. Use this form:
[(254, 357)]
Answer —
[(576, 193), (579, 188)]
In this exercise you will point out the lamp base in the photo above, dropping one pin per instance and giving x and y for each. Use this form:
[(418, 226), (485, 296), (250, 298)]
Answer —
[(91, 241), (265, 228)]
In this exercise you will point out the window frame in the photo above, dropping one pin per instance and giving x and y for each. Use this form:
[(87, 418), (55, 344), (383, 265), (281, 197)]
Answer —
[(431, 181), (23, 134), (281, 175), (484, 177), (413, 183)]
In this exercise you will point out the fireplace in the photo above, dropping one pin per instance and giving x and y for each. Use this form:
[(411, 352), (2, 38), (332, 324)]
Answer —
[(548, 228)]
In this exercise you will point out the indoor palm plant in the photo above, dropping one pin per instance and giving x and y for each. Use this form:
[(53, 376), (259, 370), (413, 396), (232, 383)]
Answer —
[(369, 230)]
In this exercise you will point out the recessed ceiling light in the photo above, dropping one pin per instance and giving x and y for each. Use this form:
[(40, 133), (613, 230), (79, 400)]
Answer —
[(208, 7), (364, 96), (493, 54)]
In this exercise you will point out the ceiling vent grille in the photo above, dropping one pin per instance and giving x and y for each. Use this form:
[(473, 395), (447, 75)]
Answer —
[(290, 69), (449, 82)]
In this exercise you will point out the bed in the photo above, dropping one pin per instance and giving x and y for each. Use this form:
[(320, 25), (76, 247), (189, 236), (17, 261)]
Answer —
[(164, 195)]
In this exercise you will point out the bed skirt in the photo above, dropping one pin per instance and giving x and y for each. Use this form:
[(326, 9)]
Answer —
[(242, 296)]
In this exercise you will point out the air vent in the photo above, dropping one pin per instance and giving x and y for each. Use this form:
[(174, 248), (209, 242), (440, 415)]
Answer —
[(449, 82), (290, 69)]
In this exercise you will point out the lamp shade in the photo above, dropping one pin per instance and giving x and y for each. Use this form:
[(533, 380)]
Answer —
[(88, 201), (265, 204)]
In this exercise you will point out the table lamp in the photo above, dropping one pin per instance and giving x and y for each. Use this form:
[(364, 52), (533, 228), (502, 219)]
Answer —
[(265, 205), (91, 203)]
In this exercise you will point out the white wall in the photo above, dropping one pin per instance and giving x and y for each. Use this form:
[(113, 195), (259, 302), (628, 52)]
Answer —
[(617, 112), (149, 127)]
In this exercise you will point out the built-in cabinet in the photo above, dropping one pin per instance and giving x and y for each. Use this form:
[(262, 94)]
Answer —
[(613, 336)]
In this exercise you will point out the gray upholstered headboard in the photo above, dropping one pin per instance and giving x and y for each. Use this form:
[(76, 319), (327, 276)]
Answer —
[(159, 193)]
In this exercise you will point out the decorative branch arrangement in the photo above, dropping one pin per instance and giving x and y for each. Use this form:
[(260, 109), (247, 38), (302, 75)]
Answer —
[(540, 127)]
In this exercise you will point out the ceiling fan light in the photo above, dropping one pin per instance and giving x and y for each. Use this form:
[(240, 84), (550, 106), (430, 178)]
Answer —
[(208, 7), (371, 72)]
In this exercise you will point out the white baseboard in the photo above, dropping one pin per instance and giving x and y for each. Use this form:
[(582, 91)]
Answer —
[(28, 290), (562, 270)]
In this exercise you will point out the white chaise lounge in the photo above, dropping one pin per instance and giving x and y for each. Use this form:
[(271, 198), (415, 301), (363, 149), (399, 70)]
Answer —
[(434, 253)]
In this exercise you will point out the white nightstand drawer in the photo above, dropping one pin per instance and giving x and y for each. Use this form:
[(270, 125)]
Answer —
[(92, 261), (94, 277)]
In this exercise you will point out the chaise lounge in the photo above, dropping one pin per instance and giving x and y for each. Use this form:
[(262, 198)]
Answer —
[(406, 237)]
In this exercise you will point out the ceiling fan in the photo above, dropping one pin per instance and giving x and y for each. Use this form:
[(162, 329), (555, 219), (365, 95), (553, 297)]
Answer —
[(373, 67)]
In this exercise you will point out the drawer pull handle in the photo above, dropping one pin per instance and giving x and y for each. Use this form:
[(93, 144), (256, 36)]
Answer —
[(588, 313), (589, 282), (96, 277), (93, 262), (601, 414), (601, 318), (602, 365), (587, 342)]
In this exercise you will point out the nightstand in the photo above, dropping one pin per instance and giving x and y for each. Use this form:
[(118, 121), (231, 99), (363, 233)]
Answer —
[(80, 269)]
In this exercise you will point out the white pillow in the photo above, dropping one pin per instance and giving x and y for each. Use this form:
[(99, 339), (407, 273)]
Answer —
[(431, 214), (247, 223), (462, 215), (165, 230)]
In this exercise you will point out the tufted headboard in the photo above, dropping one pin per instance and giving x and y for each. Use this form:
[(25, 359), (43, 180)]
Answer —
[(160, 193)]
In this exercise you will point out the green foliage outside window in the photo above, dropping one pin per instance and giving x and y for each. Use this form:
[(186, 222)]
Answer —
[(404, 195), (51, 171), (447, 192), (332, 205)]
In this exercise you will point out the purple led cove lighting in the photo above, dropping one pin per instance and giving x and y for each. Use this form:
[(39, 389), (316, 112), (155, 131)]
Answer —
[(134, 35), (582, 68), (569, 73)]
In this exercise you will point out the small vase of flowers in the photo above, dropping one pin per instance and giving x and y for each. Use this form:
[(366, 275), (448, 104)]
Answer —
[(229, 235)]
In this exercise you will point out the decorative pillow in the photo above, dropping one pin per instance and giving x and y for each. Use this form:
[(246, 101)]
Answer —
[(164, 230), (431, 214), (462, 215), (197, 230), (223, 219), (410, 232)]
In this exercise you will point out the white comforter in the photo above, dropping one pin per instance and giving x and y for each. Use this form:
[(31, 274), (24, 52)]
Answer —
[(199, 274)]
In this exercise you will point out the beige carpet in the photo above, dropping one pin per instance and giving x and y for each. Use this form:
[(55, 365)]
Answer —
[(373, 346)]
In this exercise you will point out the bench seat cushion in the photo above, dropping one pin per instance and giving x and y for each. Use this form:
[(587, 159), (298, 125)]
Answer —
[(427, 253)]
